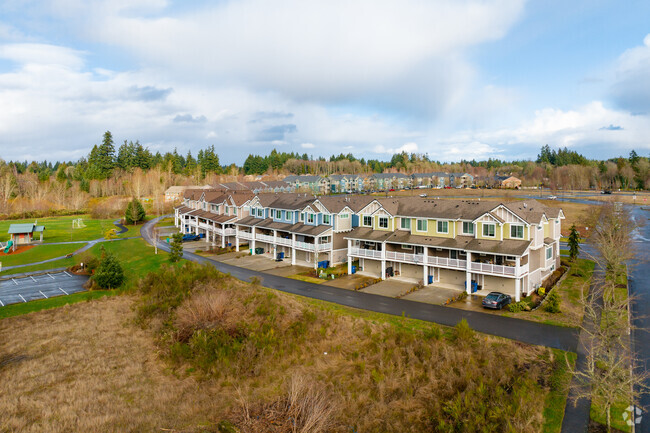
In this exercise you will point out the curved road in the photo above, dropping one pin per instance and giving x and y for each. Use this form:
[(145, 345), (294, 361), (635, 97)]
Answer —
[(515, 329)]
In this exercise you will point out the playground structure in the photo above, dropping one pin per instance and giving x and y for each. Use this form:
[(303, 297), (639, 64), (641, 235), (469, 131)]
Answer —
[(8, 246), (79, 223), (23, 233)]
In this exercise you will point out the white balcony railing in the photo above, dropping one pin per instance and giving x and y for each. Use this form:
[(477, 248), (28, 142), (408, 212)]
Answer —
[(283, 241), (264, 238), (405, 257), (446, 262), (229, 232), (205, 226), (324, 247), (360, 252), (493, 269), (304, 246), (245, 235)]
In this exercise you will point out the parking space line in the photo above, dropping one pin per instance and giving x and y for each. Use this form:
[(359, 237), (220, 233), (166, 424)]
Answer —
[(44, 295), (67, 274), (21, 297), (33, 279), (14, 281), (2, 303), (48, 274), (63, 290)]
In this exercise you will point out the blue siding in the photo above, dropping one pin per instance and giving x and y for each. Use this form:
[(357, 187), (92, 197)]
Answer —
[(355, 220)]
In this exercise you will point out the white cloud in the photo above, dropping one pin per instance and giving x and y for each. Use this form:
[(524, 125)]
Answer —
[(631, 89), (307, 145), (406, 147)]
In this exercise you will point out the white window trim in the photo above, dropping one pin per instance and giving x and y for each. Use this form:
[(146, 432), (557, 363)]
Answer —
[(549, 249), (344, 216), (379, 219), (522, 231), (329, 218), (417, 224), (363, 220), (471, 224), (488, 235), (437, 226), (310, 218), (401, 224)]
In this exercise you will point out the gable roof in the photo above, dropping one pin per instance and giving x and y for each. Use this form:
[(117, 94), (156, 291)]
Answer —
[(23, 228)]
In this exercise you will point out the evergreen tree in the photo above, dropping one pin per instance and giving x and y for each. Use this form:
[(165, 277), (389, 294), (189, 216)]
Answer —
[(176, 247), (109, 273), (574, 243), (134, 212), (106, 156)]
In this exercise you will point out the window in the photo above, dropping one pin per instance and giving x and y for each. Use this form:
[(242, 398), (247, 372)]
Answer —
[(310, 218), (278, 214), (421, 225), (260, 212), (383, 222), (344, 216), (517, 231), (489, 230), (367, 221), (326, 218), (539, 227), (407, 247), (443, 226), (468, 228), (302, 216), (405, 223), (549, 253), (453, 254)]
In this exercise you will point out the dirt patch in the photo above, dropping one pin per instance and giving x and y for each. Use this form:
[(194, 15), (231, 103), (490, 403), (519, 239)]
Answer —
[(19, 249)]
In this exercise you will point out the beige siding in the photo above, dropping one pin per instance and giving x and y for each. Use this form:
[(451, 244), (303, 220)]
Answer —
[(499, 284), (412, 271)]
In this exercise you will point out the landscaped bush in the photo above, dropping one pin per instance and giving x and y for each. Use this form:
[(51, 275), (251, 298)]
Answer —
[(517, 307), (109, 274), (553, 278), (553, 303), (541, 291)]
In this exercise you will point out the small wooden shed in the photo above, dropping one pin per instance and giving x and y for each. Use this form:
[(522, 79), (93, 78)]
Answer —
[(24, 233)]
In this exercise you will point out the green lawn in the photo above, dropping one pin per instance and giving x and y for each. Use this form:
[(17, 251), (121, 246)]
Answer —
[(38, 253), (559, 390), (59, 229), (46, 304)]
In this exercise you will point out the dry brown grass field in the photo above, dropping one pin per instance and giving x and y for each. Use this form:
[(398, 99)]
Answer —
[(188, 353)]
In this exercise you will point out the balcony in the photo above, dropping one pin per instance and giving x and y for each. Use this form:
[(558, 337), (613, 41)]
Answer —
[(405, 257), (283, 241), (264, 238), (446, 262), (324, 247), (205, 226), (245, 235), (228, 232), (304, 246), (360, 252)]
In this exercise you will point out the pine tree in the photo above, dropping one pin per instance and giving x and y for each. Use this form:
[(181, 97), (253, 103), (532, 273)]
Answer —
[(176, 247), (134, 212), (574, 243), (106, 155), (109, 273)]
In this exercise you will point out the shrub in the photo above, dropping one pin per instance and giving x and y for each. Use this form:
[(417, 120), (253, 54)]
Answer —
[(541, 291), (463, 332), (552, 303), (518, 307)]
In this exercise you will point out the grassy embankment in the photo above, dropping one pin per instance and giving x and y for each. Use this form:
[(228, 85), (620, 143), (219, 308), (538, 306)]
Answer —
[(235, 350), (570, 290)]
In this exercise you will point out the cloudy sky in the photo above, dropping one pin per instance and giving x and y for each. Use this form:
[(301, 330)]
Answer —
[(452, 78)]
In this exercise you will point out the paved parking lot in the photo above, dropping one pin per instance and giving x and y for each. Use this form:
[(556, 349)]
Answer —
[(43, 286)]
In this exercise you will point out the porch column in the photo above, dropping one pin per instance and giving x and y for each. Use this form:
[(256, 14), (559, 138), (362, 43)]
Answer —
[(315, 253), (425, 280), (275, 245), (517, 264), (196, 225), (237, 238), (293, 248), (253, 240), (468, 274), (383, 261), (517, 289), (349, 257), (223, 236)]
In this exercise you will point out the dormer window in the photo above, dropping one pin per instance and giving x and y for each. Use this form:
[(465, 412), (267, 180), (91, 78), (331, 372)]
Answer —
[(489, 230), (383, 222), (310, 218), (443, 227), (468, 228), (278, 214), (367, 221), (326, 218)]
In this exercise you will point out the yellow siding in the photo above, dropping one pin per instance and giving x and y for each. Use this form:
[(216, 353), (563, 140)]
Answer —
[(479, 232), (432, 226), (547, 230)]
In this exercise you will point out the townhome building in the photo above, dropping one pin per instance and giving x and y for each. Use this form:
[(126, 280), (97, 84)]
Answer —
[(462, 180), (345, 183), (470, 245), (309, 183), (436, 179), (300, 227), (466, 245), (212, 213)]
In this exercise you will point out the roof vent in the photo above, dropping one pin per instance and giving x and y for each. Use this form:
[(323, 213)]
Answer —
[(525, 205)]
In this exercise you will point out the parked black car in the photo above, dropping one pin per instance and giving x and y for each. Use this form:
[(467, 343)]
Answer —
[(496, 300)]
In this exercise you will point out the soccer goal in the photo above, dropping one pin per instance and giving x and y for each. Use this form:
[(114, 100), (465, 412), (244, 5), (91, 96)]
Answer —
[(78, 223)]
